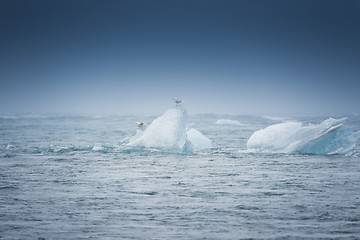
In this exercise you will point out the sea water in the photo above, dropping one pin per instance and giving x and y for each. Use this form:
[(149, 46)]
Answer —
[(70, 177)]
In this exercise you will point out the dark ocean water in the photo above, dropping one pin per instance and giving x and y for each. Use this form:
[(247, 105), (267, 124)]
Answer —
[(71, 178)]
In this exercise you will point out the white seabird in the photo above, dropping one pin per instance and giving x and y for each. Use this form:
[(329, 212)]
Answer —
[(177, 101), (140, 124)]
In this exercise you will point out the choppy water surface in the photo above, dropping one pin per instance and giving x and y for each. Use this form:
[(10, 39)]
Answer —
[(70, 178)]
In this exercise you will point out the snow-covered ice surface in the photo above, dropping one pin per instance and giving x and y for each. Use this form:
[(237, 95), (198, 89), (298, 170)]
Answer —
[(74, 177)]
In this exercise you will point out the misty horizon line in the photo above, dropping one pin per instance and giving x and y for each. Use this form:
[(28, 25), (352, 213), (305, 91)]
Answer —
[(275, 117)]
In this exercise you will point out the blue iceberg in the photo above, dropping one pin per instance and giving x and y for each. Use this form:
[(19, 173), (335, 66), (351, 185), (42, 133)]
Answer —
[(169, 133), (328, 137)]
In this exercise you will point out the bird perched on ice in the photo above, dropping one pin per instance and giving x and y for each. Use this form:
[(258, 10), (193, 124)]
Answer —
[(140, 125), (177, 101)]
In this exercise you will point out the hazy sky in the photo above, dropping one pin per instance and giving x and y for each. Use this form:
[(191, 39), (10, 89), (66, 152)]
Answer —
[(132, 57)]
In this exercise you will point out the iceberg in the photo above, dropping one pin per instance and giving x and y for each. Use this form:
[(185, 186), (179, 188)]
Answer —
[(328, 137), (169, 132), (198, 140), (276, 119), (228, 122)]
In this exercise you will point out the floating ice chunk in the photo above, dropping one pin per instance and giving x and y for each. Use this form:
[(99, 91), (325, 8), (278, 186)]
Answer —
[(277, 119), (275, 137), (198, 140), (9, 146), (228, 122), (98, 148), (166, 132), (328, 137)]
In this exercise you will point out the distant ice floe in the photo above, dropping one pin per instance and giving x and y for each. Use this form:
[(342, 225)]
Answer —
[(169, 133), (277, 119), (228, 122), (328, 137), (98, 148), (9, 146)]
